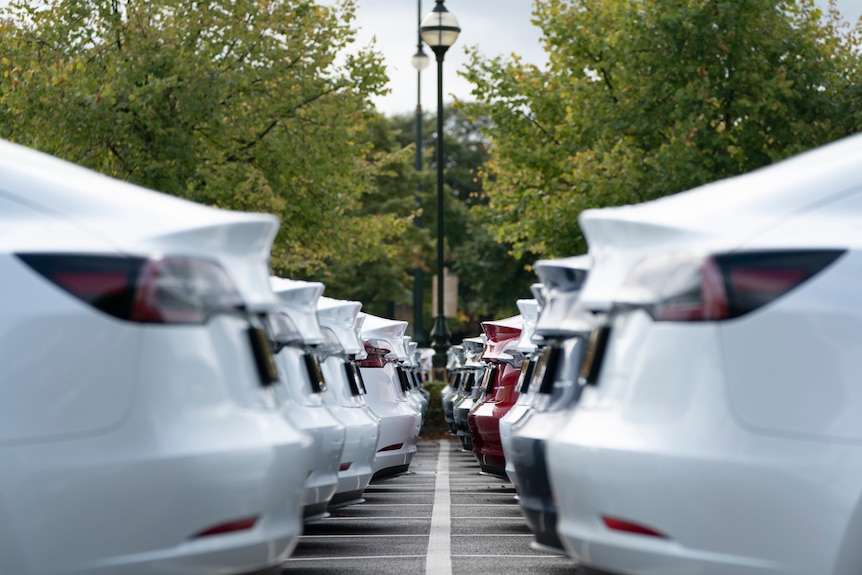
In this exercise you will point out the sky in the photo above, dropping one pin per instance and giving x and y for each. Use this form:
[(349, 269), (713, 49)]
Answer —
[(495, 27)]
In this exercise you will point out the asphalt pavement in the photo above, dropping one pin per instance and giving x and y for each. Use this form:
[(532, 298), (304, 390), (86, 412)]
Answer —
[(440, 518)]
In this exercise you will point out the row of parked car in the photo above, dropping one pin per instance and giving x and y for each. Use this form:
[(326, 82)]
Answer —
[(686, 398), (167, 406)]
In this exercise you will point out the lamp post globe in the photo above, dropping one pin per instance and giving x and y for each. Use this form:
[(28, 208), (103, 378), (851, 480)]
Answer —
[(439, 29), (420, 59)]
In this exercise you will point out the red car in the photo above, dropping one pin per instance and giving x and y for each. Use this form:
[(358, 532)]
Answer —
[(498, 392)]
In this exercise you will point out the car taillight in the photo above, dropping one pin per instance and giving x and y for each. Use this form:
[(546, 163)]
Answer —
[(376, 356), (283, 331), (719, 287), (183, 290), (163, 290), (616, 524)]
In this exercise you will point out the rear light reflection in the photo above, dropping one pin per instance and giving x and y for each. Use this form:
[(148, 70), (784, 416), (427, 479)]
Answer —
[(721, 286), (616, 524), (229, 527), (376, 356), (393, 447), (169, 290), (345, 466)]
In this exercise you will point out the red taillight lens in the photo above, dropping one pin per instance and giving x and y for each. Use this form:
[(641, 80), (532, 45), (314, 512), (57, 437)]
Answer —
[(345, 466), (376, 356), (183, 290), (229, 527), (105, 282), (393, 447), (616, 524), (719, 287), (166, 290)]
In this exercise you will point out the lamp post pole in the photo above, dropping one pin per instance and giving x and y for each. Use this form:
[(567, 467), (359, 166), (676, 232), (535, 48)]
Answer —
[(420, 62), (440, 29)]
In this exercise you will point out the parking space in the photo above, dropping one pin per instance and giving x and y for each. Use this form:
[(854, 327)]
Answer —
[(440, 518)]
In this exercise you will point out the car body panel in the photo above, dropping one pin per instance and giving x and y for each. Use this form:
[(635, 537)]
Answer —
[(502, 338), (399, 422), (122, 442), (362, 426), (302, 405), (732, 442)]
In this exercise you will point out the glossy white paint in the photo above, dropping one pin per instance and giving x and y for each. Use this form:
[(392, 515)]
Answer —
[(362, 427), (300, 403), (120, 441), (399, 422), (529, 309), (737, 440)]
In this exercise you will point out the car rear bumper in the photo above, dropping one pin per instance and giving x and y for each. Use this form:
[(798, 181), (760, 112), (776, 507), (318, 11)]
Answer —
[(135, 502)]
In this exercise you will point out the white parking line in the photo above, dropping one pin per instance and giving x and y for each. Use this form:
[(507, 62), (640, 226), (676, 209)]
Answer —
[(439, 557), (356, 558)]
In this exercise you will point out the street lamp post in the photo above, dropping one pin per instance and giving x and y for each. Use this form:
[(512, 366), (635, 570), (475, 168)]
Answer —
[(420, 62), (439, 29)]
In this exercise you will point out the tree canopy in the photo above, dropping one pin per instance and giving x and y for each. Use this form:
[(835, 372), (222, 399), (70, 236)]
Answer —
[(243, 104), (643, 98)]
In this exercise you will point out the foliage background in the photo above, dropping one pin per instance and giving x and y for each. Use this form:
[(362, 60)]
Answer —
[(264, 105)]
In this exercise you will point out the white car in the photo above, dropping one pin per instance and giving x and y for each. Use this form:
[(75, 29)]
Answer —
[(399, 422), (719, 429), (563, 329), (453, 389), (345, 397), (469, 390), (529, 309), (414, 397), (296, 333), (139, 431)]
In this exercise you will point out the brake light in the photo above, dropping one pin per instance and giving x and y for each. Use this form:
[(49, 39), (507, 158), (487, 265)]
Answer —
[(719, 287), (345, 466), (165, 290), (616, 524), (376, 356), (393, 447), (105, 282), (183, 290), (283, 331)]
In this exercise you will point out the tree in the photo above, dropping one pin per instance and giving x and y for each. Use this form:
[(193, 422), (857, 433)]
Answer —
[(240, 104), (490, 279), (643, 98)]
